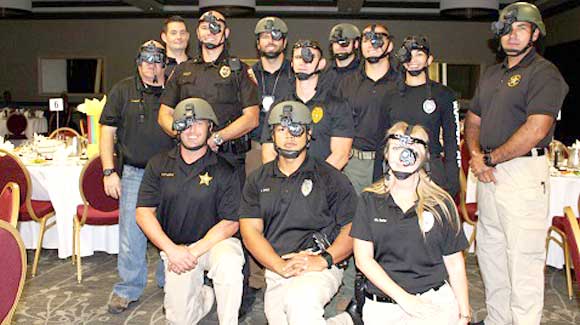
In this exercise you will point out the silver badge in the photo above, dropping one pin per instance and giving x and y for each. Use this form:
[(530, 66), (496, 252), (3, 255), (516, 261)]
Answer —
[(428, 221), (267, 102), (429, 106), (306, 187)]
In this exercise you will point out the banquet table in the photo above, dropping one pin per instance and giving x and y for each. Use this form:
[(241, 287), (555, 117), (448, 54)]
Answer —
[(564, 191), (58, 181), (34, 125)]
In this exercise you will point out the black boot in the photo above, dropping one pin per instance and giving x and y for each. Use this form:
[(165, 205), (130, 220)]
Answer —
[(351, 309)]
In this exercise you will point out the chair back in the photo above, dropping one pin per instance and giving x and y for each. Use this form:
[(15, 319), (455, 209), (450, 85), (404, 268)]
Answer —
[(14, 171), (10, 203), (92, 188), (16, 123), (13, 261), (64, 132), (572, 230)]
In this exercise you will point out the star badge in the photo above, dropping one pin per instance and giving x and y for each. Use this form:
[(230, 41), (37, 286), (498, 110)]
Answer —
[(205, 179)]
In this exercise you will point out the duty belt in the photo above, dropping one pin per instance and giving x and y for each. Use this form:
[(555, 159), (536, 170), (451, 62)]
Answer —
[(390, 300), (535, 152), (362, 155)]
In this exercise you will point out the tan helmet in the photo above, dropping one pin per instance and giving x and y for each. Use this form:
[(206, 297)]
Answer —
[(290, 112), (271, 24), (191, 109), (343, 32), (524, 11)]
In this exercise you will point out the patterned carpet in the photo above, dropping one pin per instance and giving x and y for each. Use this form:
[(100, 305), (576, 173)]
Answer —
[(55, 297)]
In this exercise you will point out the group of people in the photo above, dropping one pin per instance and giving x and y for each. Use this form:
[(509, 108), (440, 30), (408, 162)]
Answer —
[(360, 161)]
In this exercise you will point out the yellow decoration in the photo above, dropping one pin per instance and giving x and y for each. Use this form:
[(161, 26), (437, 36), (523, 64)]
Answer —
[(92, 149), (225, 71), (205, 179), (317, 114), (514, 80)]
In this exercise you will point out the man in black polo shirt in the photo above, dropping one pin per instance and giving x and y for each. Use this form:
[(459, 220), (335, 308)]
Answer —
[(130, 116), (295, 218), (223, 81), (344, 47), (187, 206), (366, 92), (332, 128), (176, 38), (507, 130)]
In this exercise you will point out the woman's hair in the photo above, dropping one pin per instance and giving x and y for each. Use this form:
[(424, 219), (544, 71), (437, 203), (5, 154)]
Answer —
[(432, 198)]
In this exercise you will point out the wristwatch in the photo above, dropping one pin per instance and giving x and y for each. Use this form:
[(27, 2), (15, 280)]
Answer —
[(108, 171), (217, 139), (328, 258), (487, 158)]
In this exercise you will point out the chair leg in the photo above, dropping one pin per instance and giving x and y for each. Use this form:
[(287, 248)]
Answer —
[(74, 240), (39, 246), (78, 252), (568, 275)]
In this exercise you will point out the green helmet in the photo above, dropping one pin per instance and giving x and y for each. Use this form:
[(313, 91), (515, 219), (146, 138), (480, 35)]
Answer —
[(191, 109), (290, 112), (523, 11), (343, 32), (273, 25)]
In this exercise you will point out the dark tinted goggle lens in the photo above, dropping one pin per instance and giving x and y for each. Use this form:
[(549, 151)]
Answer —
[(294, 128), (151, 57)]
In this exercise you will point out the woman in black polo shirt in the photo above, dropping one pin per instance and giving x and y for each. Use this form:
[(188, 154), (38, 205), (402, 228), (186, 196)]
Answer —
[(408, 241)]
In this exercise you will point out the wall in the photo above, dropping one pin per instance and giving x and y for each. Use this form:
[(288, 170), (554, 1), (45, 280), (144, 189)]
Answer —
[(564, 27), (24, 41)]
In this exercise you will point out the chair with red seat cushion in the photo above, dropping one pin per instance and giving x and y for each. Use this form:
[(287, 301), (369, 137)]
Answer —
[(40, 211), (16, 125), (10, 203), (64, 132), (13, 261), (468, 211), (97, 209), (572, 230)]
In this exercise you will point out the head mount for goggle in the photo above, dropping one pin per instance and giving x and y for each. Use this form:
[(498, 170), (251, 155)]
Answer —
[(213, 21), (306, 47), (408, 156), (276, 33), (504, 26), (404, 54), (377, 39), (296, 129), (337, 37), (151, 54)]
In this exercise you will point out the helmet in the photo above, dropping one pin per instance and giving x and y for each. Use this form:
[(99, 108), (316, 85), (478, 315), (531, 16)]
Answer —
[(414, 42), (518, 11), (191, 109), (343, 32), (291, 112), (274, 25)]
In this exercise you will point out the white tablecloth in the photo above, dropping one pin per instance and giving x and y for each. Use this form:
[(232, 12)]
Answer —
[(564, 191), (34, 125), (59, 183)]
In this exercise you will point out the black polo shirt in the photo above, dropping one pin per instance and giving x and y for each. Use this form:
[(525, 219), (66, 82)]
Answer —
[(408, 107), (330, 118), (228, 91), (368, 101), (279, 84), (414, 262), (170, 65), (506, 97), (331, 76), (190, 198), (133, 108), (315, 198)]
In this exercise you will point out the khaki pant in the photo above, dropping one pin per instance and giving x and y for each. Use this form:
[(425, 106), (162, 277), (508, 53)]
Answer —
[(185, 300), (360, 173), (301, 299), (381, 313), (511, 234)]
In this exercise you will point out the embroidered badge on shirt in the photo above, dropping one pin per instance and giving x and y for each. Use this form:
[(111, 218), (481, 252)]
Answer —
[(306, 187), (205, 179), (514, 80), (428, 221), (186, 73), (429, 106), (167, 174), (225, 71), (317, 114)]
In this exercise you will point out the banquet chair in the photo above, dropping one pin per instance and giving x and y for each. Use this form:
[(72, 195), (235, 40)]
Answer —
[(13, 261), (40, 211), (559, 226), (572, 229), (97, 209), (467, 211), (64, 132), (9, 203), (16, 125)]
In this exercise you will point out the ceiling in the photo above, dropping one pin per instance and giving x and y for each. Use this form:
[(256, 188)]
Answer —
[(384, 9)]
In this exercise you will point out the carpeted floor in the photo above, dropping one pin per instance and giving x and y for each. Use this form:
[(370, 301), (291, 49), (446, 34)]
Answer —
[(55, 297)]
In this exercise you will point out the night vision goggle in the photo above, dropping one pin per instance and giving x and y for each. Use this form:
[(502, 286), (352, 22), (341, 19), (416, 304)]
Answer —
[(306, 49), (274, 32), (504, 26), (408, 156), (213, 21), (339, 39), (377, 39), (151, 54), (185, 122), (404, 54), (295, 129)]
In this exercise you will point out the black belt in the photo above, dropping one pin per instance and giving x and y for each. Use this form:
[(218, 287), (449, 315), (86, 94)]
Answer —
[(390, 300), (536, 152)]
